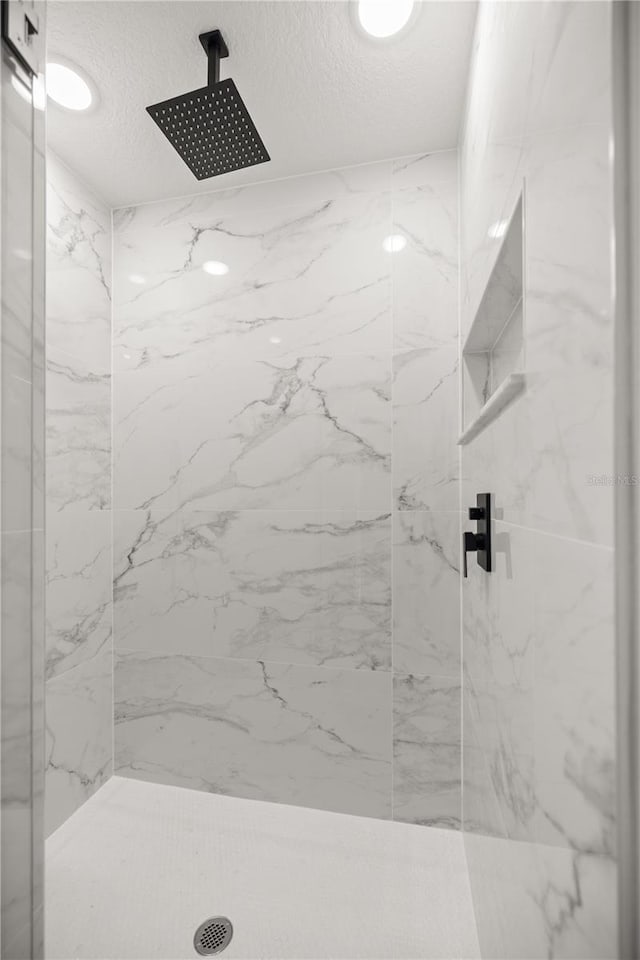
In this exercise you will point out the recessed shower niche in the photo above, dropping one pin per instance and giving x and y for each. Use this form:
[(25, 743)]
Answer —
[(493, 353)]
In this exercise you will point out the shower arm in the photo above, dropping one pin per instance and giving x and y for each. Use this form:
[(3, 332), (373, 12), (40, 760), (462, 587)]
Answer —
[(216, 50)]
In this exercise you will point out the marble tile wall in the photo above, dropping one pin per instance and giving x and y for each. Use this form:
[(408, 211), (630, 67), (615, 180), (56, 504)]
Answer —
[(78, 497), (426, 572), (281, 470), (22, 511), (538, 641)]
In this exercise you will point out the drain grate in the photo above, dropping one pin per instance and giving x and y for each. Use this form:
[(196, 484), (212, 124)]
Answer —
[(213, 936)]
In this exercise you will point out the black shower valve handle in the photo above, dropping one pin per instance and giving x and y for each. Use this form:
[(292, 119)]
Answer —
[(471, 543)]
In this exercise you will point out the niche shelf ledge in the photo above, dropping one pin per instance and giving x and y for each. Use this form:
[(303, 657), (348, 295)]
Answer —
[(512, 387)]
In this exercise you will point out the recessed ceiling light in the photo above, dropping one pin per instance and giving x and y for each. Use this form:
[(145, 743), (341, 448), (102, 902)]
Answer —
[(67, 88), (137, 278), (215, 267), (394, 243), (384, 18)]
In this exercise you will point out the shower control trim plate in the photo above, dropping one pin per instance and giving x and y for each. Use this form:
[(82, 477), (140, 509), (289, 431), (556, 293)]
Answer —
[(479, 542)]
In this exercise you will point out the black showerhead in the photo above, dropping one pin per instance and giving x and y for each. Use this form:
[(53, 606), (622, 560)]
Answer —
[(211, 128)]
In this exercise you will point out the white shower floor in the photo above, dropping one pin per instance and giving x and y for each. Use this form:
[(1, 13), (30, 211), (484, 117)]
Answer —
[(136, 869)]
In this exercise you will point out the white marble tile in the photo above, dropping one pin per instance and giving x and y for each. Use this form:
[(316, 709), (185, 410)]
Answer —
[(79, 736), (290, 586), (79, 703), (537, 632), (336, 184), (498, 609), (78, 269), (540, 694), (79, 587), (570, 329), (572, 57), (78, 434), (426, 751), (501, 458), (504, 286), (498, 656), (301, 434), (535, 901), (492, 179), (425, 168), (426, 593), (253, 420), (503, 773), (481, 813), (559, 479), (303, 735), (507, 356), (425, 271), (425, 426), (543, 475), (303, 280), (575, 695)]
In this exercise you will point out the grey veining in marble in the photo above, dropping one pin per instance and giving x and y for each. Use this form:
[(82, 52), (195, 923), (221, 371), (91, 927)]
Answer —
[(78, 269), (305, 279), (304, 735), (79, 736), (425, 272), (538, 644), (314, 432), (426, 750), (79, 587), (534, 900), (426, 593), (574, 696), (425, 424), (258, 435), (78, 434), (292, 586), (79, 569)]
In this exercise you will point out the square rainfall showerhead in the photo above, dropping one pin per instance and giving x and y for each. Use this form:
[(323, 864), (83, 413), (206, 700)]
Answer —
[(210, 128)]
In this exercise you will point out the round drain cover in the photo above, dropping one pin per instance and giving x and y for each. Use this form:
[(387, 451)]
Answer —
[(213, 936)]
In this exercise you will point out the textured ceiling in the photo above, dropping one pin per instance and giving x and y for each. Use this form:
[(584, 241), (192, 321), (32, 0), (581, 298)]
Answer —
[(321, 94)]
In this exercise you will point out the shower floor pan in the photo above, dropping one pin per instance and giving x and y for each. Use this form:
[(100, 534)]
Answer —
[(134, 872)]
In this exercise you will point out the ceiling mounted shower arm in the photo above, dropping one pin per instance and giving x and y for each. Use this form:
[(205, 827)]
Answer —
[(216, 50), (210, 128)]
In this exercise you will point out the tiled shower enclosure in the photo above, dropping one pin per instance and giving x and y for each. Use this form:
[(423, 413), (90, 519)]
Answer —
[(269, 498), (269, 409)]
